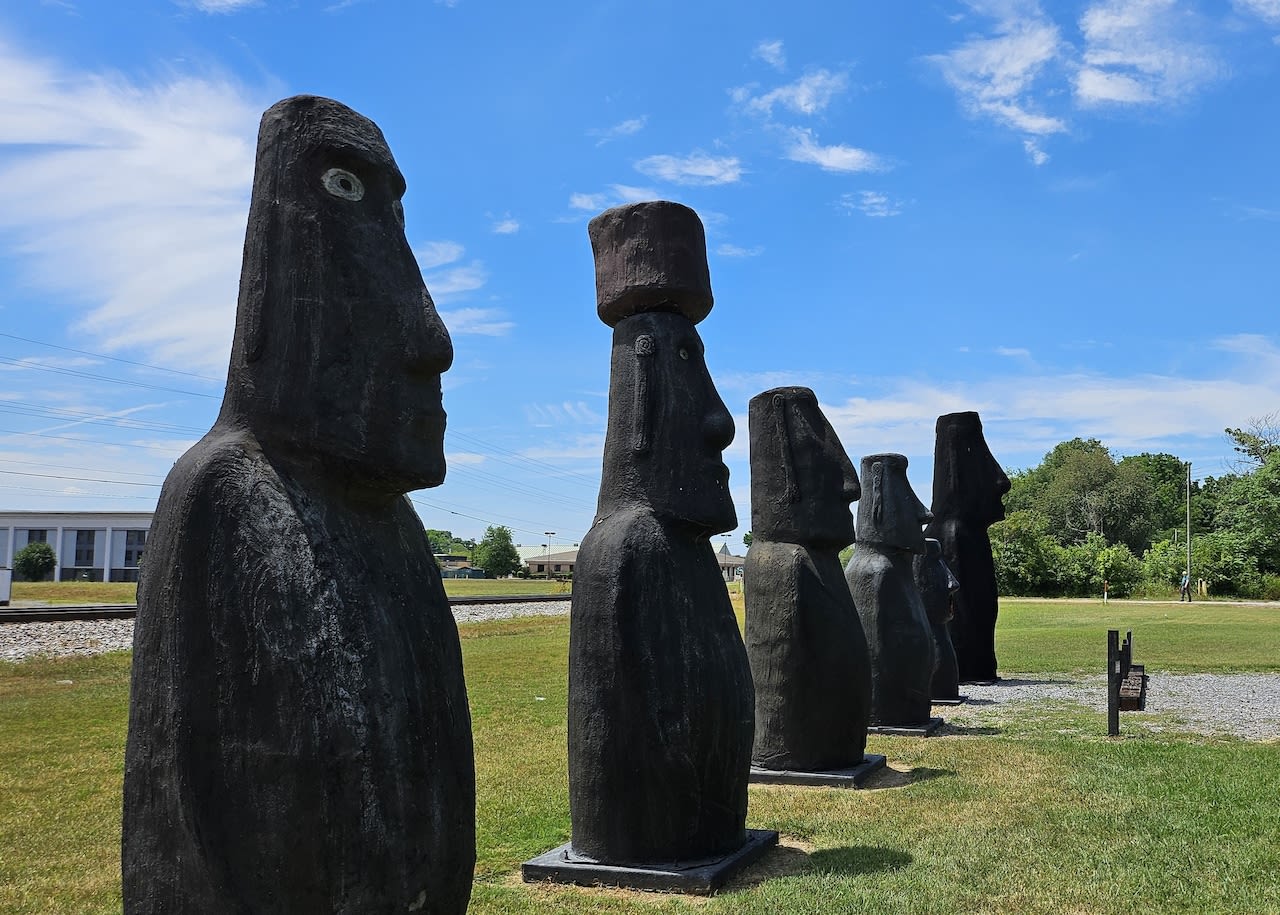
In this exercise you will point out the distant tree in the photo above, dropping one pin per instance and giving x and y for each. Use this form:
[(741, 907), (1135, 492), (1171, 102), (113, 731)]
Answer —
[(495, 553), (1167, 477), (1258, 439), (1025, 554), (441, 541), (34, 562), (746, 539), (1249, 510)]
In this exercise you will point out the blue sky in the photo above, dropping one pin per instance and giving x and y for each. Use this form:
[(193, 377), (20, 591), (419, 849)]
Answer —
[(1063, 215)]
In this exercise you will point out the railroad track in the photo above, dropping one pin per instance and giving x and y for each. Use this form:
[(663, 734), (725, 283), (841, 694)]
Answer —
[(67, 613)]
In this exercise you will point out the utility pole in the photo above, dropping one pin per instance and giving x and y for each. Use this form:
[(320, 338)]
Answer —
[(551, 534), (1188, 523)]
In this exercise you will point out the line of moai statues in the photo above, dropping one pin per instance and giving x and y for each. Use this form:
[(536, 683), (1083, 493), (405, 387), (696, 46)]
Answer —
[(299, 735)]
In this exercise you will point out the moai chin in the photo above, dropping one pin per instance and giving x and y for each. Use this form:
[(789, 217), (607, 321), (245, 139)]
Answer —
[(299, 737), (884, 590), (936, 585), (660, 697), (968, 486), (804, 639)]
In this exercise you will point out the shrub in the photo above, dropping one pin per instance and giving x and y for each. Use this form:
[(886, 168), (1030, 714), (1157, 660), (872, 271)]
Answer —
[(34, 562)]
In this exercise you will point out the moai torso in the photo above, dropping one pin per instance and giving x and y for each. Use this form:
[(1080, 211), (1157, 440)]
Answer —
[(882, 582), (660, 700), (936, 585), (968, 486), (805, 642), (299, 738)]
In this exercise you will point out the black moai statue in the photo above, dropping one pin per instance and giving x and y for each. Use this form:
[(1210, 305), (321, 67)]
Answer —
[(299, 737), (804, 639), (884, 591), (660, 697), (936, 585), (968, 486)]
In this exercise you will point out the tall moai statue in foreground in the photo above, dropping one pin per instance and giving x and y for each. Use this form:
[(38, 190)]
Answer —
[(804, 639), (882, 581), (660, 697), (937, 586), (968, 486), (299, 737)]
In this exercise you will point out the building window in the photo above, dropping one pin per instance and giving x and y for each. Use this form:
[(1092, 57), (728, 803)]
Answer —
[(541, 567), (557, 568), (37, 536), (134, 541), (85, 541)]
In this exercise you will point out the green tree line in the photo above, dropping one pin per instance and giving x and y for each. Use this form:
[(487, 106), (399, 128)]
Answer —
[(1082, 517)]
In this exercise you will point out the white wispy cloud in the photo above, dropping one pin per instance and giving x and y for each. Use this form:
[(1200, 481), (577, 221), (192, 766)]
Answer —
[(562, 413), (872, 203), (772, 53), (455, 281), (469, 458), (616, 195), (432, 254), (1037, 155), (627, 128), (485, 322), (804, 147), (697, 168), (129, 199), (588, 201), (506, 226), (1135, 53), (218, 6), (728, 250), (996, 77), (1266, 10), (628, 193), (808, 95)]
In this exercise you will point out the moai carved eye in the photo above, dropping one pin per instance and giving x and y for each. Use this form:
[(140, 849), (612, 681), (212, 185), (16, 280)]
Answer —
[(341, 183), (684, 354)]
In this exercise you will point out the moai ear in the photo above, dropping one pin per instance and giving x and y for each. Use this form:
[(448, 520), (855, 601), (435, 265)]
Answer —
[(790, 483), (641, 406), (877, 494)]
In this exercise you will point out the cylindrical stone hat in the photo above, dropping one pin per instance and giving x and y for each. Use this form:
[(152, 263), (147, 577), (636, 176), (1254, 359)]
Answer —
[(650, 256)]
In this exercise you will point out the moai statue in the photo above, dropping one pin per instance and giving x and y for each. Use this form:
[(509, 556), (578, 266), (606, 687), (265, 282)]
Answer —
[(968, 486), (804, 639), (884, 591), (299, 738), (936, 585), (660, 697)]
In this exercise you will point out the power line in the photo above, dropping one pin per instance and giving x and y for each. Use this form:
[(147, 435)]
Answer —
[(93, 377), (86, 441), (54, 476), (144, 365), (98, 419)]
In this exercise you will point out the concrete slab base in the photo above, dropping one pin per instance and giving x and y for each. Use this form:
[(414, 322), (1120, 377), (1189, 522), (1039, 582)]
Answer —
[(913, 730), (980, 682), (951, 700), (831, 778), (701, 878)]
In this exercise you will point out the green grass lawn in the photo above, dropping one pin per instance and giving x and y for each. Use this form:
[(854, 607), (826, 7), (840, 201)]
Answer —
[(1027, 812), (80, 592)]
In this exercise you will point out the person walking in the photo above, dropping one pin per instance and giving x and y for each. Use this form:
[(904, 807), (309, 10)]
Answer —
[(1186, 588)]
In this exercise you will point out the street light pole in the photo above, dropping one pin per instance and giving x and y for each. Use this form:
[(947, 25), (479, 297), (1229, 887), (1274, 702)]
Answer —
[(1188, 524), (549, 534)]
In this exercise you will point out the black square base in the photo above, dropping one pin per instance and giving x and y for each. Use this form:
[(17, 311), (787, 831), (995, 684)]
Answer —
[(699, 877), (909, 730), (950, 700), (831, 778), (980, 682)]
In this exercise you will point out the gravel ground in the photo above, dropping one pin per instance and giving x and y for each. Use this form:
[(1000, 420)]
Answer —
[(1246, 705), (84, 637)]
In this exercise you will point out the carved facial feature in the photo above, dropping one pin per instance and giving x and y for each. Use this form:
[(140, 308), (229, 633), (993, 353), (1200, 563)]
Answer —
[(802, 481), (665, 412), (341, 183), (339, 350), (889, 513)]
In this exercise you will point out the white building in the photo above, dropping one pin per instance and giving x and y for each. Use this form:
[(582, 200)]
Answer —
[(89, 546)]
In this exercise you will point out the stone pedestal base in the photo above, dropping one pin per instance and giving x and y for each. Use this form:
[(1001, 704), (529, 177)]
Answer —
[(831, 778), (908, 730), (980, 682), (950, 700), (698, 877)]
